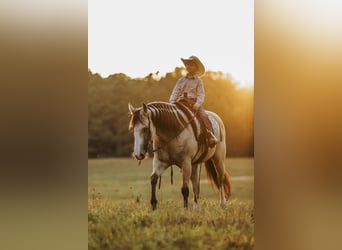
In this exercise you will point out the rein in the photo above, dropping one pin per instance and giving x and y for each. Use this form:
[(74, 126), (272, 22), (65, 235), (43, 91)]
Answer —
[(172, 177)]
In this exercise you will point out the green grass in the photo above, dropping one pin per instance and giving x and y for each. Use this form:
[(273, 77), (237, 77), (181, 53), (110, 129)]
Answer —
[(120, 216)]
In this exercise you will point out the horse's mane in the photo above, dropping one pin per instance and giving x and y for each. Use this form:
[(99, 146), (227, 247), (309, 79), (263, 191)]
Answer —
[(167, 118)]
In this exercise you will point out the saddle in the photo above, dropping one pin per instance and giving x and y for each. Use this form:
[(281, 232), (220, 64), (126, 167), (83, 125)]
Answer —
[(195, 122), (196, 126)]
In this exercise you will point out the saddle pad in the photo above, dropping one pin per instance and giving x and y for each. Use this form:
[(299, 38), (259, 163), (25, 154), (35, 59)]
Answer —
[(216, 127)]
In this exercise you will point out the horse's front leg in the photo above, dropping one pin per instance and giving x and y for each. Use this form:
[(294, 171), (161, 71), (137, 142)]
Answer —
[(158, 169), (154, 180)]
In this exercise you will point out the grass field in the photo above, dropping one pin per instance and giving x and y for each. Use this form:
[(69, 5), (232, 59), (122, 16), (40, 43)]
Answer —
[(120, 216)]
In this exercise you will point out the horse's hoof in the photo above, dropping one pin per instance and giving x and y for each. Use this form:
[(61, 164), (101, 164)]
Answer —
[(223, 205), (154, 204)]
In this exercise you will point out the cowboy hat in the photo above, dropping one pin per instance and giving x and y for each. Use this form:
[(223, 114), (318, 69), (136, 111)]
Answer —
[(200, 67)]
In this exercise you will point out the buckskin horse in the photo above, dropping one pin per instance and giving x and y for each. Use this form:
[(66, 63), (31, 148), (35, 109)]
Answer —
[(175, 137)]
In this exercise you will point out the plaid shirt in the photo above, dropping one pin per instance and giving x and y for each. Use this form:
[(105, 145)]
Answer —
[(192, 86)]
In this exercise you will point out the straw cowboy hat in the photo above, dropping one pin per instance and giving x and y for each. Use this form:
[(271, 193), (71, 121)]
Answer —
[(200, 67)]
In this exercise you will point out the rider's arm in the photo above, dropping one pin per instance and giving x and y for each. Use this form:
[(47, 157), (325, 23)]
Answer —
[(200, 93), (176, 91)]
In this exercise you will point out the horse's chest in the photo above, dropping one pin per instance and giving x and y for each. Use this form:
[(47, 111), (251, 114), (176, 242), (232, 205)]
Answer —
[(172, 157)]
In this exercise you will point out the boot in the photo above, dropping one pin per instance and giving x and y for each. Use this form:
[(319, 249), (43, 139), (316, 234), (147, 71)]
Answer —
[(212, 140)]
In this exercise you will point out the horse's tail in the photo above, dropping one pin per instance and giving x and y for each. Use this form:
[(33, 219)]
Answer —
[(213, 177)]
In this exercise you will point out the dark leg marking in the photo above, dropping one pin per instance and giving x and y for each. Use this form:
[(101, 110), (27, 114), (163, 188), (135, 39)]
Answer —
[(154, 180), (185, 192)]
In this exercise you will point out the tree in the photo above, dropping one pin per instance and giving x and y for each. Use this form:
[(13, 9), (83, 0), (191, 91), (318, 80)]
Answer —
[(108, 133)]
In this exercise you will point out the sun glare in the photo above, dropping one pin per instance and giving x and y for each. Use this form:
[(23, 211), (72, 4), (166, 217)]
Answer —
[(145, 40), (245, 85)]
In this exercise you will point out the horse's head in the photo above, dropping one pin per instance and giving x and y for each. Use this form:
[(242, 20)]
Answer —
[(140, 125)]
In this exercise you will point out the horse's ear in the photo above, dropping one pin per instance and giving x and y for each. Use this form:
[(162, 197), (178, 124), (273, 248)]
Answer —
[(131, 108), (145, 107)]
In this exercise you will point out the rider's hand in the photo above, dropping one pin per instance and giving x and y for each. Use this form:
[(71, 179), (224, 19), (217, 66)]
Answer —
[(196, 106)]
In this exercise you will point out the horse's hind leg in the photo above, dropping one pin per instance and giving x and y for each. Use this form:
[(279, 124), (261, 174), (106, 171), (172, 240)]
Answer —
[(195, 184), (220, 169), (186, 169), (185, 192)]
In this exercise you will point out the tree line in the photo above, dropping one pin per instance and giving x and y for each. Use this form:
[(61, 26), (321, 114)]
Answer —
[(108, 134)]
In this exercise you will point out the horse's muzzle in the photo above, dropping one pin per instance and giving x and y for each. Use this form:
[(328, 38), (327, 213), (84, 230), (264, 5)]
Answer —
[(139, 156)]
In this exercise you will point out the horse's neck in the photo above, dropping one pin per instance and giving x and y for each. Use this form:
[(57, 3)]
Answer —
[(167, 124), (158, 138), (163, 138)]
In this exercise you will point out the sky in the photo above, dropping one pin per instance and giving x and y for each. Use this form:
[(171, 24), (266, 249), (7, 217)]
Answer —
[(138, 37)]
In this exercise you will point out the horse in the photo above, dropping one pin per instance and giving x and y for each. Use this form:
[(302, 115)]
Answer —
[(175, 142)]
